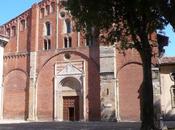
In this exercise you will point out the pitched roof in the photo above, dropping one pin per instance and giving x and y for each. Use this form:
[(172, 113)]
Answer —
[(167, 60)]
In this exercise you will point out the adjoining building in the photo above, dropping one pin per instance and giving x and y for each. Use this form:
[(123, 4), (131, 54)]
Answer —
[(53, 72), (167, 77)]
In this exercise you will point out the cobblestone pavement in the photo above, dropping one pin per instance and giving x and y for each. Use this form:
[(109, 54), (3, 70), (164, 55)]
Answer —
[(71, 126)]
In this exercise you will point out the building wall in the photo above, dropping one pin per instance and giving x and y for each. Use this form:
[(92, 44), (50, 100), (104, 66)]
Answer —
[(129, 103), (166, 98), (29, 69), (15, 87), (15, 95), (108, 83)]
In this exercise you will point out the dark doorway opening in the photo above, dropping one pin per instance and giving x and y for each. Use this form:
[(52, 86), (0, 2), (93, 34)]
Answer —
[(71, 108), (71, 113)]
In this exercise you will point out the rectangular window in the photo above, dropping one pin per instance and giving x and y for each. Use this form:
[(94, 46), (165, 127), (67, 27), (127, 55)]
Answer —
[(67, 42), (47, 44), (70, 42), (47, 28)]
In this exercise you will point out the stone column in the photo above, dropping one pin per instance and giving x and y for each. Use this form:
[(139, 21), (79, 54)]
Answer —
[(3, 42), (85, 93), (1, 81), (32, 113), (32, 87), (116, 87)]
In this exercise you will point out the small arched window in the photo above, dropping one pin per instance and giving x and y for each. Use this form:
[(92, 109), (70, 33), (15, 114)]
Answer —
[(13, 31), (8, 32), (47, 9), (52, 7), (41, 12), (47, 29), (62, 14), (68, 28), (173, 96), (22, 25)]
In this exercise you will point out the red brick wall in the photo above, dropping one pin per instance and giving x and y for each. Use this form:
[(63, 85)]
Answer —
[(33, 27), (45, 90), (15, 87), (45, 82), (52, 19), (17, 68), (130, 76), (23, 40), (15, 95)]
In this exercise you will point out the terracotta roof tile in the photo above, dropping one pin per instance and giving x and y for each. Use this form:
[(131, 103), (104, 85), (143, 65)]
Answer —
[(167, 60)]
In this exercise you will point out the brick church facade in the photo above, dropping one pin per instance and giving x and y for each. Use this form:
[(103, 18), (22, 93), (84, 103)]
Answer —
[(52, 72)]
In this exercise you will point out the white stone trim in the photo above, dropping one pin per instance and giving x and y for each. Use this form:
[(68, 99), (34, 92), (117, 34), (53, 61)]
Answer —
[(69, 71), (78, 39), (85, 101), (3, 41), (1, 81)]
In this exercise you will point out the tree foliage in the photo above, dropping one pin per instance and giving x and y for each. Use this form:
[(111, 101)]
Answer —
[(124, 18), (131, 15), (167, 8)]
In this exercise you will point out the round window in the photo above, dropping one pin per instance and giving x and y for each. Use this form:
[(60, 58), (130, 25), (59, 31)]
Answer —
[(62, 14), (67, 56)]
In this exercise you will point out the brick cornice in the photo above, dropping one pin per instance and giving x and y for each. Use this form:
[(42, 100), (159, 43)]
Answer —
[(15, 55)]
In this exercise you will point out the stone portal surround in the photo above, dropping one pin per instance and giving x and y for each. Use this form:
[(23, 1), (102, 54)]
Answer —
[(71, 70), (3, 42)]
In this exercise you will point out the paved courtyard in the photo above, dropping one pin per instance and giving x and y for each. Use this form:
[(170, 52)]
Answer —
[(71, 126)]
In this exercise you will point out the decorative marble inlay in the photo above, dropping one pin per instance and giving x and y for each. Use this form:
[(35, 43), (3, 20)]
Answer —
[(69, 68)]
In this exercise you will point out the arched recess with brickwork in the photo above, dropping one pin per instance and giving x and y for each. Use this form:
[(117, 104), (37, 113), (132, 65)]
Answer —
[(45, 83), (15, 95), (129, 90)]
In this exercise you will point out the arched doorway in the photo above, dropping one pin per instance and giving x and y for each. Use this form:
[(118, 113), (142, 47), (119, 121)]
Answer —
[(69, 95)]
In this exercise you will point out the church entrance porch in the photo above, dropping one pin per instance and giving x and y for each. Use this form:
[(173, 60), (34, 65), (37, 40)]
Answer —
[(69, 93)]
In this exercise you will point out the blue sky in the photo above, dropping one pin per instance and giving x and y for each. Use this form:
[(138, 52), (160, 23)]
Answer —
[(12, 8), (170, 49)]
